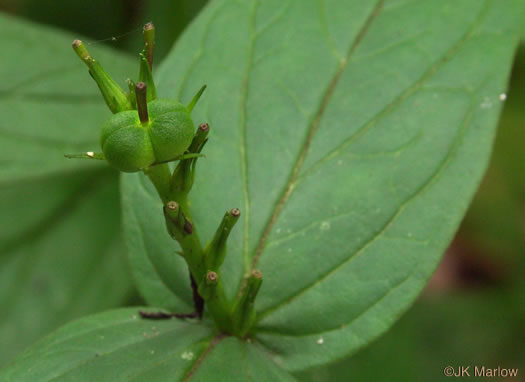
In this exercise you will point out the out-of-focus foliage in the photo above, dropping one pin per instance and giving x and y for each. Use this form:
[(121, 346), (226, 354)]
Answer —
[(170, 17), (483, 329), (116, 23), (61, 254)]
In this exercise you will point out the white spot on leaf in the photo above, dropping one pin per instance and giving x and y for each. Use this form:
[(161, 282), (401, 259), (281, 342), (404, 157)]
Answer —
[(502, 97), (486, 104), (325, 226), (187, 355), (320, 341)]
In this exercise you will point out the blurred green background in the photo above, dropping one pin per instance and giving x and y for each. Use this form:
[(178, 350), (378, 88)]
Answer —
[(473, 310), (118, 22)]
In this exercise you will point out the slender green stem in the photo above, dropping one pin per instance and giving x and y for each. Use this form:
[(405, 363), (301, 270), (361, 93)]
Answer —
[(149, 42), (160, 176), (181, 227), (187, 237), (195, 99), (220, 308), (215, 252), (200, 136), (114, 96)]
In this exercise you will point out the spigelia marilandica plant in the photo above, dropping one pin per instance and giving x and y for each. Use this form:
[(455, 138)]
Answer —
[(146, 133)]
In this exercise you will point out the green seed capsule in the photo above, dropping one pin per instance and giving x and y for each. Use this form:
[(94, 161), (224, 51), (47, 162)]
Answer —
[(171, 130), (131, 145), (144, 130)]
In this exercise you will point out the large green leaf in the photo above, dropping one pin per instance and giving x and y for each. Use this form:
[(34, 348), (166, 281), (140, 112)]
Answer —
[(61, 254), (234, 360), (65, 262), (48, 102), (352, 135), (477, 326), (120, 346)]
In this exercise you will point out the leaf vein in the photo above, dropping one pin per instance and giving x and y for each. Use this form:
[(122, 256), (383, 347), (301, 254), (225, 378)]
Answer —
[(290, 185), (100, 355), (399, 99), (431, 180), (243, 136), (381, 298), (203, 356)]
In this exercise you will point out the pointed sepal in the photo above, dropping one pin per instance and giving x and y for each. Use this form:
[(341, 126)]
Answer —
[(195, 99), (86, 155), (146, 76), (149, 43), (131, 95), (115, 97)]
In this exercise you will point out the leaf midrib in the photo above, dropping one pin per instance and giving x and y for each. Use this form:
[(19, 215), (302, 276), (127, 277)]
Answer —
[(290, 184), (89, 360), (378, 301), (435, 176), (431, 180), (243, 137), (215, 340), (168, 358)]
